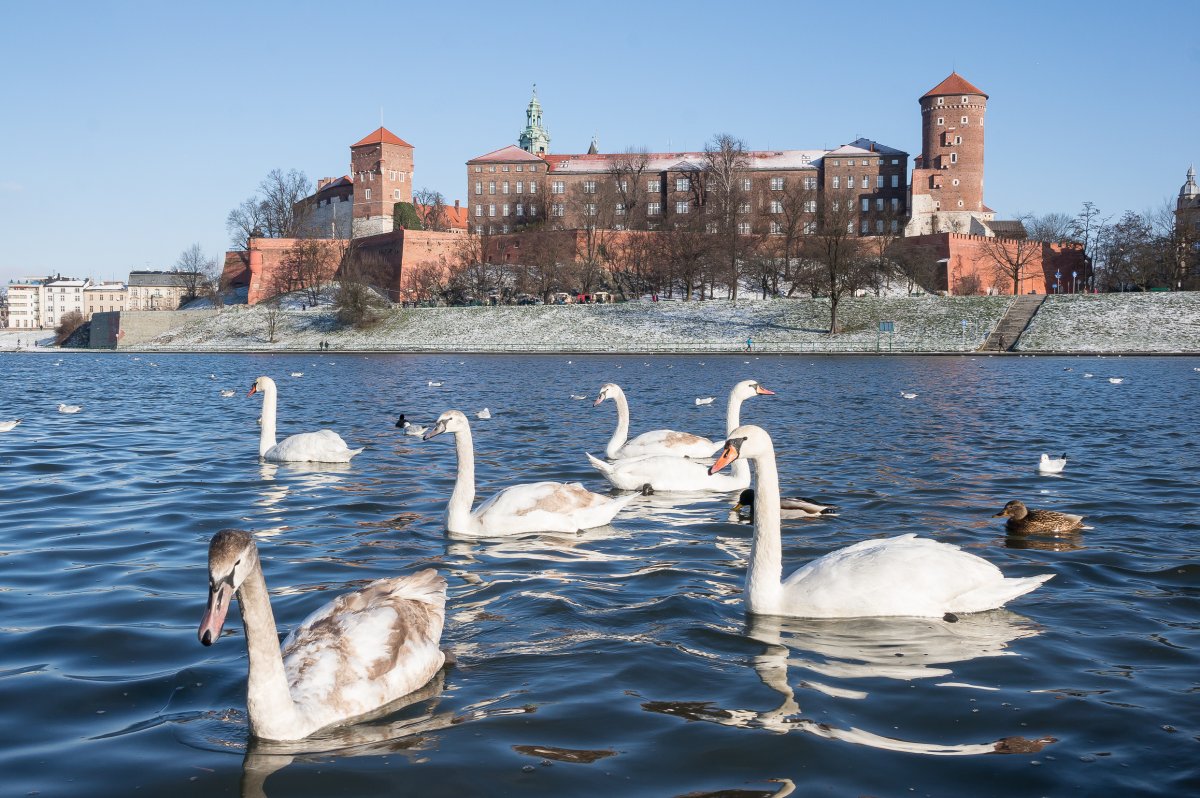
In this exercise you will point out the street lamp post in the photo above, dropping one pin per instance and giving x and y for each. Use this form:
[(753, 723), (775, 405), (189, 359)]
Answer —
[(1074, 274), (1057, 279)]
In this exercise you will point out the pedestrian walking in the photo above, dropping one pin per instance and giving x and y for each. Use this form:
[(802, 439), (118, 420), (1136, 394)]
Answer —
[(749, 343)]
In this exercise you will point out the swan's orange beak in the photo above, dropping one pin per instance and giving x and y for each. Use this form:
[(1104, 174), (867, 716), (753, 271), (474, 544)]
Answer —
[(599, 399), (728, 455), (761, 391), (219, 597), (253, 388)]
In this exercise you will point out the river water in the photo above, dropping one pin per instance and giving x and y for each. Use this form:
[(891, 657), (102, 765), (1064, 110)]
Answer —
[(619, 661)]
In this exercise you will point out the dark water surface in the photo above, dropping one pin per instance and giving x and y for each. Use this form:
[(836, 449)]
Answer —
[(619, 661)]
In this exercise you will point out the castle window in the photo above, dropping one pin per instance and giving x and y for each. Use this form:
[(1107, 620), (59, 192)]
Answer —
[(589, 209), (954, 157), (895, 181), (837, 206), (532, 186), (776, 206), (478, 188), (837, 163), (589, 187), (492, 169), (964, 120), (558, 209), (366, 193), (683, 184), (491, 210), (879, 203), (965, 100), (504, 209), (520, 167), (879, 225), (941, 120), (533, 210), (955, 181), (520, 209), (520, 187), (504, 187), (504, 168), (744, 228), (865, 182), (396, 194), (777, 184), (681, 206), (941, 101), (532, 168), (745, 184), (895, 226), (558, 187), (653, 186), (895, 162), (810, 206), (837, 182), (504, 229), (810, 228), (478, 168), (895, 204), (492, 187), (653, 208), (810, 184), (866, 204), (878, 181), (620, 209), (744, 207), (776, 229), (960, 203), (864, 228)]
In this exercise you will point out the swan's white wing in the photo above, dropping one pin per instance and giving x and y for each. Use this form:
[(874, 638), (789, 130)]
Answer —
[(545, 507), (366, 648), (667, 474), (668, 442), (904, 575), (324, 446)]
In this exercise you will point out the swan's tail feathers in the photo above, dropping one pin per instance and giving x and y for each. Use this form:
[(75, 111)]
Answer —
[(427, 586), (601, 466), (997, 594), (355, 451)]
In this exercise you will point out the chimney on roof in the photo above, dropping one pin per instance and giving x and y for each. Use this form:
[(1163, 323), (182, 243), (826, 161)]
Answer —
[(324, 181), (456, 205), (872, 146)]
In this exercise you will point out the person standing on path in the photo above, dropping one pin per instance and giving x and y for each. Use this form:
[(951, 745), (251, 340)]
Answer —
[(749, 343)]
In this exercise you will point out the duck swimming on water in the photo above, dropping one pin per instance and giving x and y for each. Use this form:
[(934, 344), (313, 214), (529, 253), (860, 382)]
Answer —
[(1023, 521), (791, 506)]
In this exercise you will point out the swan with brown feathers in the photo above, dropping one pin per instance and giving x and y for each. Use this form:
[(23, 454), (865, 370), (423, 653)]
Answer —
[(352, 656)]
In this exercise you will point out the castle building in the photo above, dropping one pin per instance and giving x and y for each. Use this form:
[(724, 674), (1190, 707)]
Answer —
[(516, 186), (382, 168), (1187, 208), (947, 177)]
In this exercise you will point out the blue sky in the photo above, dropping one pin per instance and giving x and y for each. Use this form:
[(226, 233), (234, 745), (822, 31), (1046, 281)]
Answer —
[(130, 129)]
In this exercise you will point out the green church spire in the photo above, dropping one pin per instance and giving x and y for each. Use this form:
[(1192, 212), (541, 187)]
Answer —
[(534, 137)]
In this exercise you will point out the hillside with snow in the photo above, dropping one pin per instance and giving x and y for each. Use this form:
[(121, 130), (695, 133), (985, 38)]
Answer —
[(1154, 322)]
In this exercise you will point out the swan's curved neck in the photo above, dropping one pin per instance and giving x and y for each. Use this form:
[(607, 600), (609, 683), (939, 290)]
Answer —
[(458, 511), (622, 432), (764, 578), (268, 701), (733, 415), (266, 436)]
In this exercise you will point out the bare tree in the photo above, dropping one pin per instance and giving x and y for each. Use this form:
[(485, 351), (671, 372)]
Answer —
[(629, 174), (725, 173), (271, 316), (310, 264), (196, 273), (1180, 246), (70, 321), (837, 253), (1089, 230), (471, 275), (1012, 258), (683, 248), (1052, 227), (431, 209), (276, 210), (593, 203), (1135, 257)]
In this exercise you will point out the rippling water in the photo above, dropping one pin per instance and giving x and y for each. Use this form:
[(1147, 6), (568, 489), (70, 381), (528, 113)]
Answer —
[(619, 661)]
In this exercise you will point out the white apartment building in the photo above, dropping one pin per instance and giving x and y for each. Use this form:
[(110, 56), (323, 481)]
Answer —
[(61, 296), (25, 303)]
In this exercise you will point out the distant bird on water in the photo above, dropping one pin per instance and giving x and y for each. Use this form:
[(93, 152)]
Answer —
[(433, 384), (1116, 380), (6, 426), (484, 414), (908, 395), (228, 392), (1052, 465), (790, 506), (1023, 521), (704, 400), (62, 408), (401, 422)]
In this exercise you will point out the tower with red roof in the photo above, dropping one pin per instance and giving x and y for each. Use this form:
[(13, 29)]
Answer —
[(947, 181), (381, 167)]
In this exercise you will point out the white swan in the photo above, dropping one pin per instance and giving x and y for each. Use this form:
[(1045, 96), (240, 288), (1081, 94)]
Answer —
[(1116, 380), (1052, 465), (7, 426), (350, 657), (908, 394), (905, 575), (673, 474), (534, 507), (659, 441), (297, 373), (228, 392), (484, 414), (433, 384), (704, 400), (324, 446), (62, 408)]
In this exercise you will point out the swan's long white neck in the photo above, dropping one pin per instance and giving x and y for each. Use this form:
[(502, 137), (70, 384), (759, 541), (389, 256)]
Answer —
[(266, 436), (764, 578), (269, 703), (733, 414), (458, 511), (622, 432)]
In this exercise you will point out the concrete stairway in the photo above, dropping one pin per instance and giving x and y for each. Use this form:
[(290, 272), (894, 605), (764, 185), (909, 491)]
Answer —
[(1009, 328)]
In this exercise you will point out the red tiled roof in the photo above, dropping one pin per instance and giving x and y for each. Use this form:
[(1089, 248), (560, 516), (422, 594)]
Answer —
[(509, 153), (381, 136), (955, 84), (454, 218)]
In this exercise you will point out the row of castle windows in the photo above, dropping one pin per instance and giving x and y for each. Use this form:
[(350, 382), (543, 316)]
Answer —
[(866, 181), (865, 162), (942, 100), (504, 168), (775, 228), (681, 207), (504, 187), (941, 120)]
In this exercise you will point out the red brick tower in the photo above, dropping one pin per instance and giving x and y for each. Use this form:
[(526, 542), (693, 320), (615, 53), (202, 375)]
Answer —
[(381, 166), (947, 184)]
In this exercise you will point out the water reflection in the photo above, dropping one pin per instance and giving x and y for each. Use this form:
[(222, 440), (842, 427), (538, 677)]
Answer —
[(409, 736), (1069, 541), (864, 648)]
